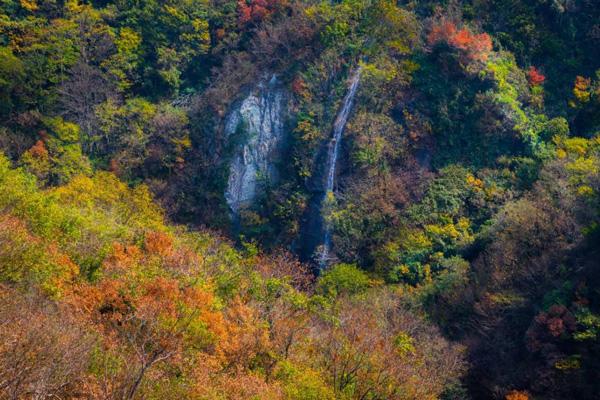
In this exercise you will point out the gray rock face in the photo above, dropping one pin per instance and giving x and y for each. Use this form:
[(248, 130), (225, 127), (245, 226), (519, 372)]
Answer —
[(260, 116)]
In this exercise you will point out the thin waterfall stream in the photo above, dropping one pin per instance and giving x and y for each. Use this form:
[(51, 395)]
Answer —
[(332, 156)]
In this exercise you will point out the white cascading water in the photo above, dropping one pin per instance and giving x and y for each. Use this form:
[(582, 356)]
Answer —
[(332, 155)]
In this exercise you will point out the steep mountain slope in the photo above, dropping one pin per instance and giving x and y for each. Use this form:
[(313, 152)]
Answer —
[(433, 165)]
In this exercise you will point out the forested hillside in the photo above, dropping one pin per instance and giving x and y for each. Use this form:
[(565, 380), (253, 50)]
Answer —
[(300, 199)]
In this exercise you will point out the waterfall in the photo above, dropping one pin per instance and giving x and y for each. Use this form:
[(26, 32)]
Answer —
[(332, 156)]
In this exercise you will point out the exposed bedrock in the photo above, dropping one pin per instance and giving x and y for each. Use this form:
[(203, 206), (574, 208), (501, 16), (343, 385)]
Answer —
[(259, 120)]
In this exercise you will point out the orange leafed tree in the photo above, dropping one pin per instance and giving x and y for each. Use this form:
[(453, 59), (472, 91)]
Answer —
[(39, 149), (581, 89), (151, 325), (475, 47), (517, 395), (158, 243)]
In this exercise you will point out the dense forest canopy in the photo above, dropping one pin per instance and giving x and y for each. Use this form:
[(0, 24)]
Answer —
[(300, 199)]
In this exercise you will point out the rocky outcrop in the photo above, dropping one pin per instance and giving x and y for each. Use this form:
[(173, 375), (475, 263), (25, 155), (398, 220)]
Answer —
[(260, 116)]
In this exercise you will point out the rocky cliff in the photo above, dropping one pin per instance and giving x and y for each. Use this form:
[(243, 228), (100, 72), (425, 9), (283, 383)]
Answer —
[(260, 116)]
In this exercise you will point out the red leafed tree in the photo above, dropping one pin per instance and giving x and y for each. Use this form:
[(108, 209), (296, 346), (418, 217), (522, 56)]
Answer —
[(255, 10), (475, 47), (441, 32), (535, 77), (244, 12)]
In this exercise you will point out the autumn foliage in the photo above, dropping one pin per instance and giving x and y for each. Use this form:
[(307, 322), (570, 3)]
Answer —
[(39, 149), (158, 243), (517, 395), (44, 347), (464, 220), (138, 309), (535, 77), (475, 47), (581, 89), (255, 10)]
